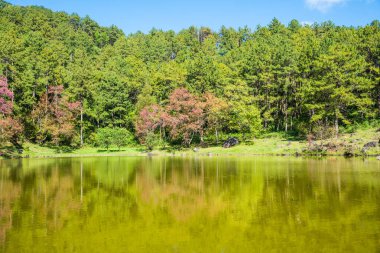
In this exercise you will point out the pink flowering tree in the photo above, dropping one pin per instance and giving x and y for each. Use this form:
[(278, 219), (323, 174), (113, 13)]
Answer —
[(149, 124), (55, 117), (185, 116), (6, 97), (10, 128)]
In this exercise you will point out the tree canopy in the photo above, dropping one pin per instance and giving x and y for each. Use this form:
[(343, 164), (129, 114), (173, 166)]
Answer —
[(66, 77)]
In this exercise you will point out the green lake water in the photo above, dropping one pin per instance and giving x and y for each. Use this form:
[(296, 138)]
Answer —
[(191, 204)]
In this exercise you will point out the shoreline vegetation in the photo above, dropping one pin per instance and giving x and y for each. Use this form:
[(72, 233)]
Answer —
[(347, 145)]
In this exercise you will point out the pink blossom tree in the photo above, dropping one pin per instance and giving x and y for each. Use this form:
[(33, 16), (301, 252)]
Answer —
[(185, 116), (55, 117), (10, 128), (6, 97), (150, 121)]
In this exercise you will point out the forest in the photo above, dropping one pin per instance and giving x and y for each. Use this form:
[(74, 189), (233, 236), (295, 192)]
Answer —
[(67, 81)]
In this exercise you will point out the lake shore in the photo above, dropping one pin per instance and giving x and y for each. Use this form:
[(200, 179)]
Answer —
[(187, 153), (347, 145)]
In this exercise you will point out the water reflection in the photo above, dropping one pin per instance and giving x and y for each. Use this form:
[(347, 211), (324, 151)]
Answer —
[(196, 204)]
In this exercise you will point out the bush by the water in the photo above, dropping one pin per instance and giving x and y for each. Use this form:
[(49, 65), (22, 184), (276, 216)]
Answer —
[(119, 137)]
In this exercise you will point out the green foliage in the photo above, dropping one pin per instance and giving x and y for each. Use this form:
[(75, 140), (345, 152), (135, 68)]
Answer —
[(119, 137), (152, 140), (122, 137), (245, 119), (3, 4), (104, 137), (277, 78)]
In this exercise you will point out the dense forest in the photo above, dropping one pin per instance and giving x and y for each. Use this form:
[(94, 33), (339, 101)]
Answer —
[(65, 80)]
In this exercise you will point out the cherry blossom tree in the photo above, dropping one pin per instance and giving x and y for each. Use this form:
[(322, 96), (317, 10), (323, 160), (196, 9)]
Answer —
[(10, 128), (151, 120), (6, 97), (185, 116)]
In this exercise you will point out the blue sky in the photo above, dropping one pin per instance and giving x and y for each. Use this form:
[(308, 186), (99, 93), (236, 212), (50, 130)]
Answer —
[(142, 15)]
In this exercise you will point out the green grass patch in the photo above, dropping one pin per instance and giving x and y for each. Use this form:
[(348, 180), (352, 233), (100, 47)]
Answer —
[(269, 144)]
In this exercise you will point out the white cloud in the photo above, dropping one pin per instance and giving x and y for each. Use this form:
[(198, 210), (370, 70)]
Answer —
[(323, 5), (305, 23)]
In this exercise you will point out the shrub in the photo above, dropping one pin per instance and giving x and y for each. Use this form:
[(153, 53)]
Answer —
[(106, 137)]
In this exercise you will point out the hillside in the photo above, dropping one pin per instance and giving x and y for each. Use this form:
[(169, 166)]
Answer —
[(66, 79)]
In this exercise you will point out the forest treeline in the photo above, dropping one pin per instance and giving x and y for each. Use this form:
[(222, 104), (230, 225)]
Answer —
[(65, 78)]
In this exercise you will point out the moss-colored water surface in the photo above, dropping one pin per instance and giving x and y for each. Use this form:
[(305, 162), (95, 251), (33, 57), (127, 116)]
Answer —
[(191, 204)]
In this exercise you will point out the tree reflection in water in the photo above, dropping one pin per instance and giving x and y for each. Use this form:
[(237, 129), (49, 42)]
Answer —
[(193, 204)]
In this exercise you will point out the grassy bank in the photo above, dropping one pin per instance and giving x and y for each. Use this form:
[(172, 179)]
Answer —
[(269, 145)]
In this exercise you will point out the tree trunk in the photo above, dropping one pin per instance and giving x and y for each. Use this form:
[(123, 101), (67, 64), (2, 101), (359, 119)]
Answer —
[(47, 97), (191, 139), (34, 90), (291, 123), (336, 125), (286, 122), (81, 125), (286, 115)]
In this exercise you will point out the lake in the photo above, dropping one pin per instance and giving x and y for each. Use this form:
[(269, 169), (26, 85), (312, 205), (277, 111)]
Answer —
[(190, 204)]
